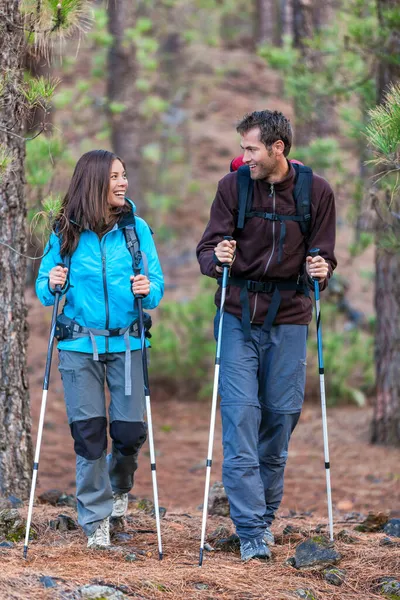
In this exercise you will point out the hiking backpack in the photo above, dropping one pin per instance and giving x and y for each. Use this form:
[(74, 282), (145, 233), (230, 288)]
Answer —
[(302, 199), (301, 195)]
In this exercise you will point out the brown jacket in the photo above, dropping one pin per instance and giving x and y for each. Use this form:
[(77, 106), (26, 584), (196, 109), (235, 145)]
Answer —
[(258, 244)]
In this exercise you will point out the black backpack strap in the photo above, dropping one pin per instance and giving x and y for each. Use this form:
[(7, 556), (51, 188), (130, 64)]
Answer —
[(132, 243), (245, 194), (302, 196)]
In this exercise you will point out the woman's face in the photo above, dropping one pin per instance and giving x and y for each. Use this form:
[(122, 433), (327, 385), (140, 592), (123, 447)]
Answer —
[(118, 184)]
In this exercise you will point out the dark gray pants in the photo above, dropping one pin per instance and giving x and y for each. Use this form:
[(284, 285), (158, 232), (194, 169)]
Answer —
[(262, 390), (98, 475)]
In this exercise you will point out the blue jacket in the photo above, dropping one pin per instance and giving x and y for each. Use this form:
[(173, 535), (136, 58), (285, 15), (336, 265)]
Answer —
[(99, 293)]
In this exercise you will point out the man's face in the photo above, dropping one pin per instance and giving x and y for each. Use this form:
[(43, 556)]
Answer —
[(262, 161)]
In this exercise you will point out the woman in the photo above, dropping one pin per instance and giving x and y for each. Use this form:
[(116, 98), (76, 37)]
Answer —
[(87, 255)]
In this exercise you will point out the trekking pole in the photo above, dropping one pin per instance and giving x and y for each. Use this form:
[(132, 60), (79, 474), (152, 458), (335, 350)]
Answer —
[(138, 299), (58, 292), (314, 252), (225, 271)]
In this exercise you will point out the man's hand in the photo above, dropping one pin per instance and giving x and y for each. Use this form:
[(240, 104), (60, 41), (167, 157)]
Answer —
[(140, 285), (57, 276), (225, 252), (317, 267)]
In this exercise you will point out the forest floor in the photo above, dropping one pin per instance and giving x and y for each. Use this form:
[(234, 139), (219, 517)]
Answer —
[(364, 478)]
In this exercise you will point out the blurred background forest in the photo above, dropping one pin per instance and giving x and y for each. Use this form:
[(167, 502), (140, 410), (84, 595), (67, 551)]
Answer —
[(162, 83)]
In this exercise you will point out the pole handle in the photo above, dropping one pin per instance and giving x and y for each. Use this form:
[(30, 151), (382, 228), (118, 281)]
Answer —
[(228, 238), (137, 296), (58, 288), (313, 252)]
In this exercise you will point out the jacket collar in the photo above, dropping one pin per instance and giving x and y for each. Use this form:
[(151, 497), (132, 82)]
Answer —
[(128, 218)]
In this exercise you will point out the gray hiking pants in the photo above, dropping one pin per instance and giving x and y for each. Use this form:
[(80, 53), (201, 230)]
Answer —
[(98, 475), (262, 390)]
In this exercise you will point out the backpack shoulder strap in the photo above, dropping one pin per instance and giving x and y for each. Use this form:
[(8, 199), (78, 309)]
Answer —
[(245, 186), (132, 243), (302, 195)]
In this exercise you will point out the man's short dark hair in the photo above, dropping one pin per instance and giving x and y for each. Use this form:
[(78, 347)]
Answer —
[(273, 126)]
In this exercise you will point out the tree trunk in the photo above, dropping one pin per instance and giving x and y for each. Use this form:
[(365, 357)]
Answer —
[(389, 69), (269, 21), (386, 420), (15, 421), (319, 119), (121, 89)]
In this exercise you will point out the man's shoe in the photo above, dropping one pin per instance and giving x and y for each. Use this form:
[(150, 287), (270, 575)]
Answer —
[(268, 537), (101, 537), (256, 548), (120, 505)]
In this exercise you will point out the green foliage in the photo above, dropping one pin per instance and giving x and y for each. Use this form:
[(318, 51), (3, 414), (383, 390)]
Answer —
[(143, 85), (321, 154), (99, 34), (6, 159), (348, 359), (184, 347), (152, 105), (282, 59), (116, 108), (152, 152), (364, 240), (41, 155), (64, 97), (389, 241), (383, 134), (383, 131), (38, 91), (50, 18)]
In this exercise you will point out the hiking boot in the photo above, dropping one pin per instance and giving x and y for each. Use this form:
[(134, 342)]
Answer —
[(256, 548), (120, 505), (268, 537), (101, 537)]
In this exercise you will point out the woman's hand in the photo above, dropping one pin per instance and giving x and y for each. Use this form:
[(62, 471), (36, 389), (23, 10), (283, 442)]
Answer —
[(140, 285), (57, 276), (317, 267)]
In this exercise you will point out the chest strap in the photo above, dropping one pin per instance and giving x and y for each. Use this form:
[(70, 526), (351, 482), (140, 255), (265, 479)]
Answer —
[(265, 287), (301, 219)]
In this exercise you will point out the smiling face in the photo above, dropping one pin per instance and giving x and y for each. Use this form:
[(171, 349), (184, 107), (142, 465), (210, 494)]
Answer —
[(264, 163), (118, 184)]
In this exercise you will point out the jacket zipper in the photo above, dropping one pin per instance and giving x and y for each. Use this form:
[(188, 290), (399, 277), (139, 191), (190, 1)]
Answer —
[(103, 265), (272, 193)]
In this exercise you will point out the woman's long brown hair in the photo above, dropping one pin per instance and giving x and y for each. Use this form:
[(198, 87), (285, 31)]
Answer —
[(85, 205)]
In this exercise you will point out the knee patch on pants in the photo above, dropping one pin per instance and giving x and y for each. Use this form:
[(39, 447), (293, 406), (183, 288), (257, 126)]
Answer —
[(128, 436), (90, 437)]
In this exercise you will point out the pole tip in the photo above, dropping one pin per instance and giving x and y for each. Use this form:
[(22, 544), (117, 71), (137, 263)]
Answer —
[(201, 557), (25, 551), (160, 556)]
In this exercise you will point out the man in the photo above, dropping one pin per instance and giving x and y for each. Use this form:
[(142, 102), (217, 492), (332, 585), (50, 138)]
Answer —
[(263, 348)]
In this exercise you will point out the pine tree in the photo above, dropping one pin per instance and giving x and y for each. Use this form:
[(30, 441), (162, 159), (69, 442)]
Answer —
[(22, 22)]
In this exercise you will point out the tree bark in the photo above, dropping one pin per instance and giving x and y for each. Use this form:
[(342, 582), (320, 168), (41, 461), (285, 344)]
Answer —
[(385, 427), (270, 21), (386, 420), (15, 420), (319, 119), (122, 75)]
